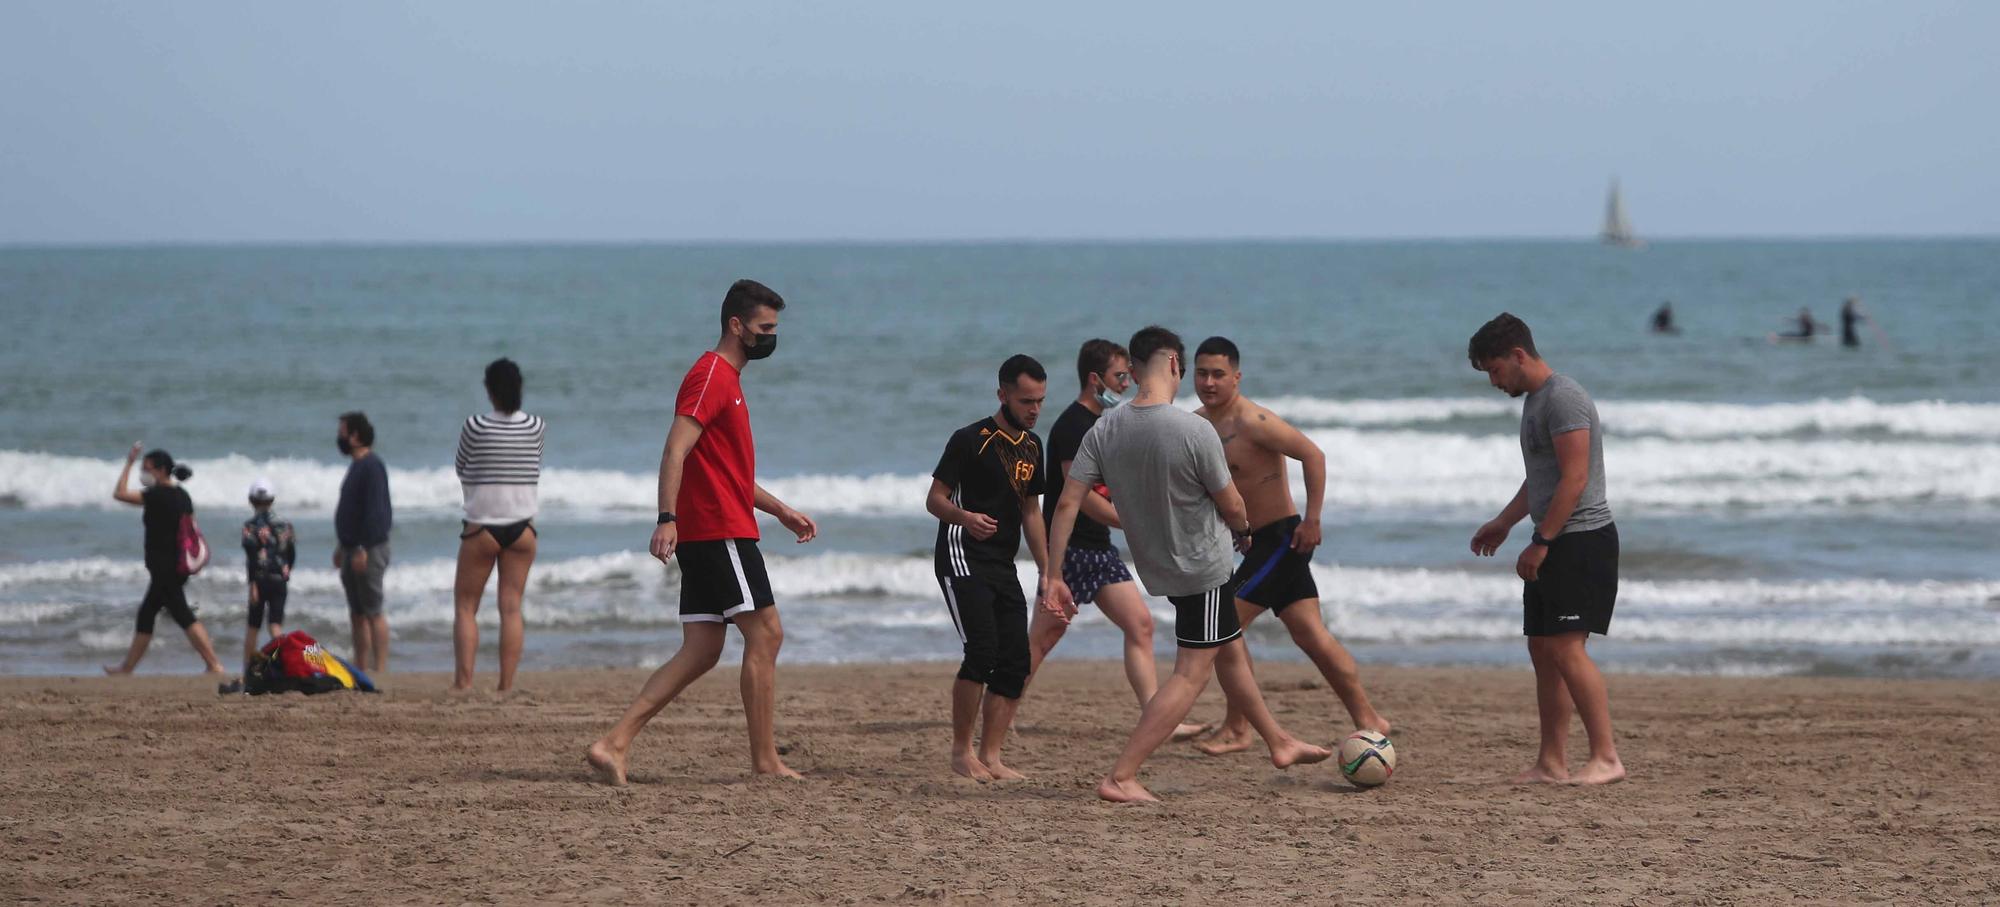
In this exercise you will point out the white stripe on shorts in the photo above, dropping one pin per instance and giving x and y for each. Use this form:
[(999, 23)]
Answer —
[(951, 603), (742, 582)]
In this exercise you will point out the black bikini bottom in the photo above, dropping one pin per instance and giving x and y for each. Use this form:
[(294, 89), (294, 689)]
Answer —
[(506, 534)]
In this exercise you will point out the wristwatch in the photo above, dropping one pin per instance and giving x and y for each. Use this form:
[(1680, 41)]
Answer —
[(666, 516), (1536, 539)]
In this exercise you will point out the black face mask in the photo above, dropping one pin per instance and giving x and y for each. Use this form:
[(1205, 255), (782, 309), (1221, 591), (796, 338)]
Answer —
[(346, 449), (760, 346)]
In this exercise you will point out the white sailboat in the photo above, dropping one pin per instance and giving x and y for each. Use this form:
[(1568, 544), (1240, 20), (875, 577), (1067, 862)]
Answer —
[(1617, 230)]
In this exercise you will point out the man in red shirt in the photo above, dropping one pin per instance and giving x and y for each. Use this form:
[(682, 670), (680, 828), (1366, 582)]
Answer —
[(708, 488)]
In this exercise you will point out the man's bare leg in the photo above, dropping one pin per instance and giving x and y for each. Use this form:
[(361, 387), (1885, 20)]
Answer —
[(1170, 704), (1593, 702), (999, 716), (357, 624), (1308, 629), (965, 696), (1126, 609), (140, 643), (1044, 631), (763, 636), (1239, 685), (701, 648), (378, 629), (1234, 734), (1553, 707)]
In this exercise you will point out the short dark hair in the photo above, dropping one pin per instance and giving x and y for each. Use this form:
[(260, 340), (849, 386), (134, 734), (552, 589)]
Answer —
[(503, 382), (1219, 346), (1498, 337), (358, 428), (1095, 357), (1150, 340), (747, 296), (1021, 364)]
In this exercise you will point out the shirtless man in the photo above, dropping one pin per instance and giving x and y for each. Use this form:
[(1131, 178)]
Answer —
[(1276, 574)]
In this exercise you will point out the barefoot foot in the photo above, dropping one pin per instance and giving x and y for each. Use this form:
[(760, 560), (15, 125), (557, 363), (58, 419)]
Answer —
[(117, 670), (1610, 771), (1188, 730), (1224, 742), (1124, 791), (1000, 771), (1541, 774), (778, 769), (1298, 752), (968, 765), (610, 765)]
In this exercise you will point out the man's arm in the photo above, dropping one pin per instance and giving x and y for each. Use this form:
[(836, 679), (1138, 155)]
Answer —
[(1031, 525), (1096, 506), (680, 440), (938, 502), (799, 524), (1058, 601), (1573, 459), (1487, 538), (1229, 503), (1279, 435)]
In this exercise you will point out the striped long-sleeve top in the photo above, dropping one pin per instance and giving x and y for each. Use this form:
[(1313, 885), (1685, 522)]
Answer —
[(499, 467)]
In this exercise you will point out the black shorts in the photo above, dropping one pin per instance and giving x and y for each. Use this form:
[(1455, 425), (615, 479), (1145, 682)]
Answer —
[(1272, 574), (167, 589), (1086, 570), (1576, 587), (270, 600), (1206, 619), (991, 615), (721, 579)]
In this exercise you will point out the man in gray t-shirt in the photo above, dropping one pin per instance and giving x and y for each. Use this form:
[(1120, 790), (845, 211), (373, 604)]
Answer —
[(1163, 466), (1569, 570), (1166, 473)]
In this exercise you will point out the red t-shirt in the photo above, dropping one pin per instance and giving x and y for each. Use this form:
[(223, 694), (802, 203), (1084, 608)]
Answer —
[(718, 479)]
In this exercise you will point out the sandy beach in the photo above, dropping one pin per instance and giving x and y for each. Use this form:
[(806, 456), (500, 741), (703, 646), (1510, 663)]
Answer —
[(154, 790)]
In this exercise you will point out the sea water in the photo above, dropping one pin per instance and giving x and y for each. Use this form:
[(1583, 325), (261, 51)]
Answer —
[(1784, 508)]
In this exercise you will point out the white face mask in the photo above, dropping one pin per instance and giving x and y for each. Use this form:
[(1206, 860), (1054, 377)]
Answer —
[(145, 479), (1107, 399)]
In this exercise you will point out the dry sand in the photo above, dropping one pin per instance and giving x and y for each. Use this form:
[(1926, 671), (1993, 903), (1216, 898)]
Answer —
[(1742, 791)]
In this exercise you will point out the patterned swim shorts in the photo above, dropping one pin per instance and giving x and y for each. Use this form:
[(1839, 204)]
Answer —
[(1086, 570)]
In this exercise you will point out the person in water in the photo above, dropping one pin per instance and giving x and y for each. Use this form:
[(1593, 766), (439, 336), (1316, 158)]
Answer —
[(165, 502), (1851, 316), (1663, 319), (1807, 327)]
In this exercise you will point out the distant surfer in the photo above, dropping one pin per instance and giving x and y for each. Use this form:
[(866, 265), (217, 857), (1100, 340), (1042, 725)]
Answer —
[(1805, 330), (1851, 316), (1663, 319)]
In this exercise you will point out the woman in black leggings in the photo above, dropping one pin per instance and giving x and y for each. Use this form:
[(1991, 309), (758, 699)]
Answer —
[(165, 502)]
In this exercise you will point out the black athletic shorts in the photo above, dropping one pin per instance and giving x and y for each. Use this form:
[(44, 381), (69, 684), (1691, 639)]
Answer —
[(1577, 585), (721, 579), (1206, 619), (991, 615), (270, 600), (1272, 574)]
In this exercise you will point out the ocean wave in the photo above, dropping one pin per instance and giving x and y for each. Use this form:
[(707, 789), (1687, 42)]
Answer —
[(1368, 470), (891, 592), (1680, 419)]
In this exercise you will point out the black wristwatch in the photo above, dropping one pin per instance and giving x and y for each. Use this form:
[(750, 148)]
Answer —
[(1536, 539), (666, 516)]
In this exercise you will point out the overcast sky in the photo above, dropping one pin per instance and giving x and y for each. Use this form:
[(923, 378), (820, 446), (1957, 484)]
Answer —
[(504, 121)]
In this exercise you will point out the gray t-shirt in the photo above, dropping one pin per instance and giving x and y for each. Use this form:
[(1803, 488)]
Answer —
[(1561, 406), (1161, 463)]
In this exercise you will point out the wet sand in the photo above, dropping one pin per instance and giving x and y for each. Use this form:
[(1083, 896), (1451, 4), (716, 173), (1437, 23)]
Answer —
[(154, 790)]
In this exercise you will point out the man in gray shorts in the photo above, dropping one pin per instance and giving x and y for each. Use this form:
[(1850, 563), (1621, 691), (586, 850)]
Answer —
[(1166, 468), (361, 524)]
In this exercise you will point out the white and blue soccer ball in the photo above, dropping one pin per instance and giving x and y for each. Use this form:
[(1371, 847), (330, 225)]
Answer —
[(1367, 759)]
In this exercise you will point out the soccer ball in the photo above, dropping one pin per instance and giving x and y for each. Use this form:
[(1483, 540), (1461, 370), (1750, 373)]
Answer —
[(1367, 758)]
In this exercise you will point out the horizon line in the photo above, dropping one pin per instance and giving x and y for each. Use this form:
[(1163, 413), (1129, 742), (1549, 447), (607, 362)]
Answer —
[(1564, 239)]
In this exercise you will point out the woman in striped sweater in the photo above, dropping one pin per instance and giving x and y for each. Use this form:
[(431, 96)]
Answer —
[(499, 465)]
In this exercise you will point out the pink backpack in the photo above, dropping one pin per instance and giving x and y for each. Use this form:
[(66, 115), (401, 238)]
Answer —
[(194, 548)]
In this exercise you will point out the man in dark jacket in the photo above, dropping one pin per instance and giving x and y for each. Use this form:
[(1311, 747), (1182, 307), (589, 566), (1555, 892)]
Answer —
[(361, 523)]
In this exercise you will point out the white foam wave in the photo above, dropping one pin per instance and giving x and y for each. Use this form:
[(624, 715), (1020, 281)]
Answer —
[(1682, 419), (1362, 603), (1368, 470)]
